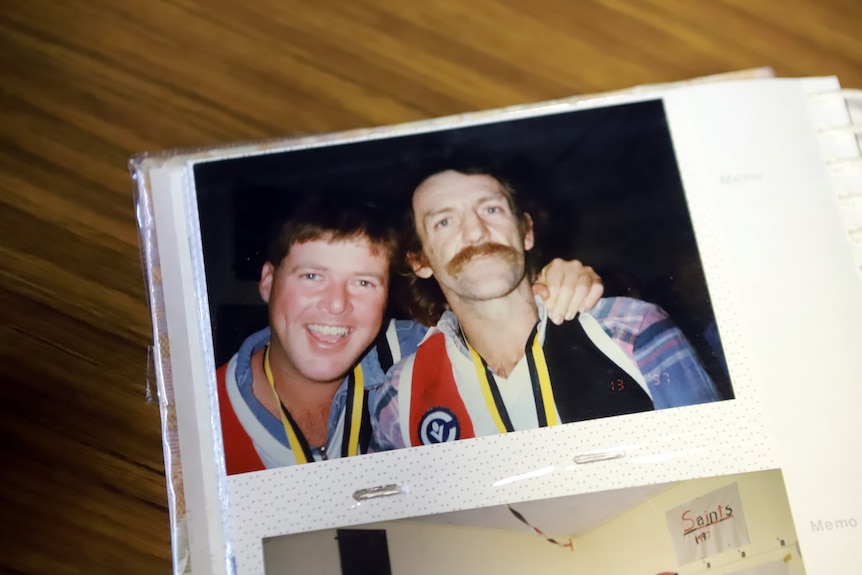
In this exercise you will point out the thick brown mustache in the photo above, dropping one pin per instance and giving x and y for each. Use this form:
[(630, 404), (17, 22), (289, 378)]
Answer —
[(461, 258)]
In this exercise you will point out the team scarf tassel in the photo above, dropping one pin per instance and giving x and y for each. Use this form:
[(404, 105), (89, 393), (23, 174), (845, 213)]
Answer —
[(538, 531)]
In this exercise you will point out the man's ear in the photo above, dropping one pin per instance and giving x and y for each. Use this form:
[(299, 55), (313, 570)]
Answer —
[(267, 275), (529, 237), (419, 265)]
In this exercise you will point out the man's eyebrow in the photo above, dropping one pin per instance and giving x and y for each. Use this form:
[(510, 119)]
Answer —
[(492, 198), (489, 197), (437, 212), (375, 275), (307, 266)]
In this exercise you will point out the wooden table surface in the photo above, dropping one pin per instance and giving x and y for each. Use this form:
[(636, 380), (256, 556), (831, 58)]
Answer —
[(85, 84)]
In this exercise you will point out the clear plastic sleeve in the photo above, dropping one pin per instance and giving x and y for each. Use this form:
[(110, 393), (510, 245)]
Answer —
[(224, 523)]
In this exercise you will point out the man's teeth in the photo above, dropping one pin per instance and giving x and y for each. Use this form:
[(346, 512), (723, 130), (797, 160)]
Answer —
[(328, 330)]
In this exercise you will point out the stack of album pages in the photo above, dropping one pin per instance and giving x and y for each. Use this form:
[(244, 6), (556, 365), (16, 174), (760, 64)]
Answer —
[(366, 364)]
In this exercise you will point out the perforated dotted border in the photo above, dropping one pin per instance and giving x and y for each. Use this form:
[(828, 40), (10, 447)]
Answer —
[(663, 446)]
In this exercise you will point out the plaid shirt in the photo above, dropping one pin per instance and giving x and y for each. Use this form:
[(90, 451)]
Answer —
[(642, 330)]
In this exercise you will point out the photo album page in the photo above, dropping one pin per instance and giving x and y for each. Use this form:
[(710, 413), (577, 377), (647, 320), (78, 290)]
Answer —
[(368, 352)]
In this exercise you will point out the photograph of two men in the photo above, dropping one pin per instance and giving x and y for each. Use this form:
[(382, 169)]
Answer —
[(452, 284)]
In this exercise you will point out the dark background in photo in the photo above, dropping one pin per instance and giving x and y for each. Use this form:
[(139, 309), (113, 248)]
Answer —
[(604, 183), (363, 552)]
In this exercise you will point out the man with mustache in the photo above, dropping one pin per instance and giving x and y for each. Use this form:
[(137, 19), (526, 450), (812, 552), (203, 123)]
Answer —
[(494, 364), (298, 391)]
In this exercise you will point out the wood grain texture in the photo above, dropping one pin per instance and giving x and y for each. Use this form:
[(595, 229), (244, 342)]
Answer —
[(86, 84)]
